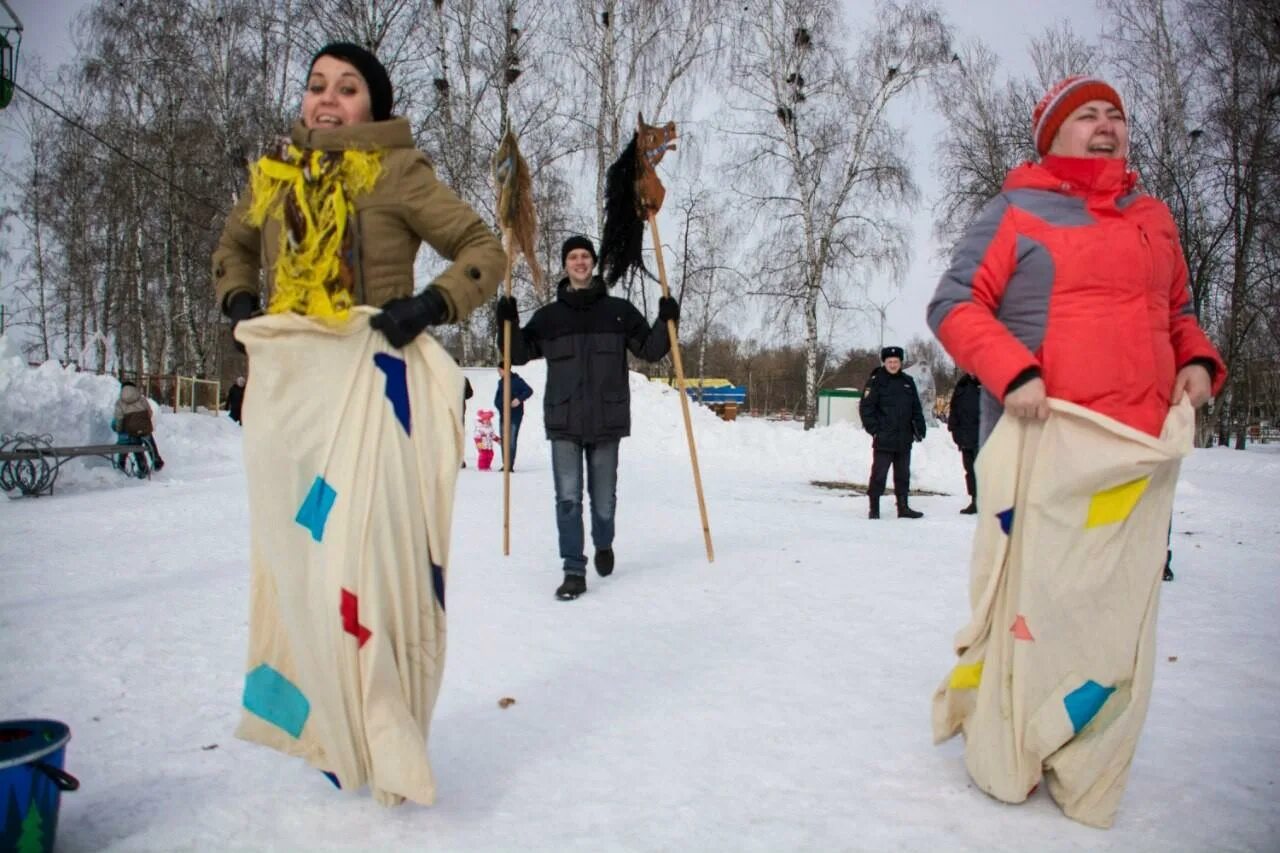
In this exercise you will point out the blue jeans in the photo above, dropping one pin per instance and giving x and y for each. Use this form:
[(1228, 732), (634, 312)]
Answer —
[(602, 487)]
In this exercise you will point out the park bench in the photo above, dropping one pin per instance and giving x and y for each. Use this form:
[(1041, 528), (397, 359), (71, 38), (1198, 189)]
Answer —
[(30, 463)]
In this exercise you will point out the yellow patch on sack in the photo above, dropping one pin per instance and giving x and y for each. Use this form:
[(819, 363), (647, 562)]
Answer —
[(966, 676), (1113, 505)]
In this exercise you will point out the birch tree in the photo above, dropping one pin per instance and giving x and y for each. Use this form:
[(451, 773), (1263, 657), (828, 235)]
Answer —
[(632, 58), (707, 284), (1242, 74), (818, 152), (988, 120)]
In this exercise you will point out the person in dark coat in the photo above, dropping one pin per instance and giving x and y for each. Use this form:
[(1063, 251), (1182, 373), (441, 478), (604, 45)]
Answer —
[(585, 335), (962, 421), (520, 392), (891, 412), (235, 399)]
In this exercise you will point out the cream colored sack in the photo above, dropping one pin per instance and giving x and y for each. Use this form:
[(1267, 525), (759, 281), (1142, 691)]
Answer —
[(351, 450), (1055, 667)]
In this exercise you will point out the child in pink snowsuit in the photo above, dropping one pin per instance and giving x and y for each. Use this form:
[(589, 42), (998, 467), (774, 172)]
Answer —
[(486, 438)]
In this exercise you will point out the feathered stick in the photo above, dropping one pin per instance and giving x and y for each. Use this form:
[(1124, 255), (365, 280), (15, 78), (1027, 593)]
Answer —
[(516, 213), (518, 220), (634, 193)]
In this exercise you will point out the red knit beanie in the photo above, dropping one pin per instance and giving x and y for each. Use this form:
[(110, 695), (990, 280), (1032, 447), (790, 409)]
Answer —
[(1061, 101)]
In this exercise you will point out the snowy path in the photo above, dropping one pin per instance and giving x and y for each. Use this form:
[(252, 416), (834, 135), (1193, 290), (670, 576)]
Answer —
[(776, 700)]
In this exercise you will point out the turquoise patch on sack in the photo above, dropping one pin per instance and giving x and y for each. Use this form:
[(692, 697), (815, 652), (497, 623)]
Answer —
[(276, 699), (314, 512), (1084, 703)]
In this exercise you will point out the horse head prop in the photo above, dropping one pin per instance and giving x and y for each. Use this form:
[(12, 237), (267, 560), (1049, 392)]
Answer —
[(632, 194), (652, 144)]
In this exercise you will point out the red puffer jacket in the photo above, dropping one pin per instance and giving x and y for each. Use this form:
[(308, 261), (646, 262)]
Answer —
[(1072, 271)]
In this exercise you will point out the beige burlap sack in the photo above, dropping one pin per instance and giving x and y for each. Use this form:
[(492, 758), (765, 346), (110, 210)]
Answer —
[(351, 451), (1055, 667)]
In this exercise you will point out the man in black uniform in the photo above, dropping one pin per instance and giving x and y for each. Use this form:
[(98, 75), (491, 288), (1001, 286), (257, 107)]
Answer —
[(891, 412), (962, 420), (585, 335)]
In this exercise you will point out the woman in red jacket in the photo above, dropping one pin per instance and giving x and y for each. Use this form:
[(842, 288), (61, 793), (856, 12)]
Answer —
[(1072, 284)]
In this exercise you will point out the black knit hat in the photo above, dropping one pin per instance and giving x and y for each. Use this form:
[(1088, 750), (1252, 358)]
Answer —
[(577, 242), (375, 76), (892, 352)]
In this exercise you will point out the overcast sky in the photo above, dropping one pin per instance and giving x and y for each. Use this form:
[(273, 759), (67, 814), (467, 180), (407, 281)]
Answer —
[(1006, 25)]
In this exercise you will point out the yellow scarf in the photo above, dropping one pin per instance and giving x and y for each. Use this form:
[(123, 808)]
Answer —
[(307, 192)]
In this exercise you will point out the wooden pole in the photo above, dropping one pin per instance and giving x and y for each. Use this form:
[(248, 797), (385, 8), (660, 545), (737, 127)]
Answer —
[(506, 411), (684, 397)]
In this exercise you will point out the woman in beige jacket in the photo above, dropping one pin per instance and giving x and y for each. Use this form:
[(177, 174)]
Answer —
[(347, 623), (347, 107)]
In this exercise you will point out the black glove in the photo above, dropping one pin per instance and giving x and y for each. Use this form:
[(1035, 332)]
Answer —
[(919, 436), (668, 309), (506, 309), (403, 319), (240, 306)]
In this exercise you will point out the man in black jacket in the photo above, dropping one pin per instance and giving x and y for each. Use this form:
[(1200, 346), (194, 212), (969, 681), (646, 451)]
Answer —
[(891, 412), (962, 421), (584, 335)]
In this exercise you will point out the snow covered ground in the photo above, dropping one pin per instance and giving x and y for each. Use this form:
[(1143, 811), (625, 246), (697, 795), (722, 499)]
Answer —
[(776, 699)]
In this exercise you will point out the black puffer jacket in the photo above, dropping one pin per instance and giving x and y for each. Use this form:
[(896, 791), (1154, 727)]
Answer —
[(584, 336), (891, 410), (963, 418)]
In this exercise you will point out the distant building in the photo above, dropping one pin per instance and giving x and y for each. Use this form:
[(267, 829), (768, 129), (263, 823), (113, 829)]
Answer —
[(839, 405)]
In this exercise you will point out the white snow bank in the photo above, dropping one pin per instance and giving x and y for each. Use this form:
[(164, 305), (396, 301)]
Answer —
[(75, 408)]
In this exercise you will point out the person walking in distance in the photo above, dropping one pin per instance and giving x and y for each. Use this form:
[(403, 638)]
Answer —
[(235, 399), (962, 421), (520, 394)]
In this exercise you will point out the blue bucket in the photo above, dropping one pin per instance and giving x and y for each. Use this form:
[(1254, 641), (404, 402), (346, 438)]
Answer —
[(31, 782)]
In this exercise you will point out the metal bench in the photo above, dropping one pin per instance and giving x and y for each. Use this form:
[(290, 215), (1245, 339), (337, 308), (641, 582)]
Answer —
[(30, 463)]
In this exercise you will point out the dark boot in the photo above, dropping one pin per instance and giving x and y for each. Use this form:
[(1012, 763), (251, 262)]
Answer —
[(1168, 566), (971, 509), (905, 511), (573, 586), (604, 562), (875, 508)]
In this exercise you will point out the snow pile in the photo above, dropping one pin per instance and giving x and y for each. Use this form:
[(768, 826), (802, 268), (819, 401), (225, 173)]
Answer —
[(62, 402), (75, 408)]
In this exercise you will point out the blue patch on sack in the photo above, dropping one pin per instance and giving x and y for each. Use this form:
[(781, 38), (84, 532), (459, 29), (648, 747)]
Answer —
[(1006, 520), (437, 581), (397, 389)]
